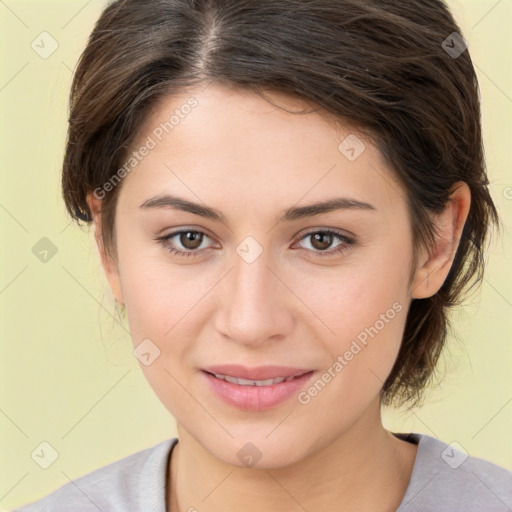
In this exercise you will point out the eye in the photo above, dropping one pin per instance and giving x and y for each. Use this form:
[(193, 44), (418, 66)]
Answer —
[(323, 239), (190, 240)]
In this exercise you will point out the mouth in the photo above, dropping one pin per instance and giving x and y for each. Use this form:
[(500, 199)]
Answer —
[(256, 373), (256, 389), (249, 382)]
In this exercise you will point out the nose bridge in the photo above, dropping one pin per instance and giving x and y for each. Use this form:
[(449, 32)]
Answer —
[(255, 305)]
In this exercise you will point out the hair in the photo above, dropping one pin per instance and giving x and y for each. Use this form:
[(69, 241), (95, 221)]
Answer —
[(379, 65)]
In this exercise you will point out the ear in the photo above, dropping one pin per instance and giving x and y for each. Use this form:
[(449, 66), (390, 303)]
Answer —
[(433, 268), (109, 264)]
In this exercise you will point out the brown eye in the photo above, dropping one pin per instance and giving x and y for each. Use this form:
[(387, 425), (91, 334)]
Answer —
[(184, 243), (190, 239), (321, 240)]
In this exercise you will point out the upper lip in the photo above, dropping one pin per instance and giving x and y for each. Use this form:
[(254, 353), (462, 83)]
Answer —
[(256, 373)]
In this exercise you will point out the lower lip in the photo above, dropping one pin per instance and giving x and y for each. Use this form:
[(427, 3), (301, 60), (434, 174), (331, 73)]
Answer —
[(256, 398)]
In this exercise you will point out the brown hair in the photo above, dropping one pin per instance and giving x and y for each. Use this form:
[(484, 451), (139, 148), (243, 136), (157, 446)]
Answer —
[(384, 66)]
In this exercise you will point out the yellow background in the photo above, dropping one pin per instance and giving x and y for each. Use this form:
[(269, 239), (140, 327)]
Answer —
[(68, 373)]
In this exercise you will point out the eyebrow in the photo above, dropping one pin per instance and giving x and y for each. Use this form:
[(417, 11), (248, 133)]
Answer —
[(293, 213)]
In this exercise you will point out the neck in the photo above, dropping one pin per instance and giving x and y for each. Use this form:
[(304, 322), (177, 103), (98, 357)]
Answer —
[(366, 468)]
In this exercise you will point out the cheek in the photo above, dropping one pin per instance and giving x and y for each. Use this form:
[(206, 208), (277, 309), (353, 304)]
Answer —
[(351, 299), (157, 295), (363, 309), (160, 308), (362, 353), (148, 311)]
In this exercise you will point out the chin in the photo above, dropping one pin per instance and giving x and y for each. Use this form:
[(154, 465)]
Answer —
[(255, 450)]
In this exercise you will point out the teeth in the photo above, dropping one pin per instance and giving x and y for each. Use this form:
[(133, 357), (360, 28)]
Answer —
[(248, 382)]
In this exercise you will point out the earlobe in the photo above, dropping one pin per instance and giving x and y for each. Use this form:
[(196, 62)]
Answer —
[(107, 261), (433, 268)]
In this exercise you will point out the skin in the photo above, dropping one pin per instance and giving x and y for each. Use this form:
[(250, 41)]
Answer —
[(237, 153)]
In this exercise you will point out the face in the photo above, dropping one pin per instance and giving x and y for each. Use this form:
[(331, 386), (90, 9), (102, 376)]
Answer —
[(250, 277)]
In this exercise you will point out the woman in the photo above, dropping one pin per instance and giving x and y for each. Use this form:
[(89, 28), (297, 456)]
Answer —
[(287, 196)]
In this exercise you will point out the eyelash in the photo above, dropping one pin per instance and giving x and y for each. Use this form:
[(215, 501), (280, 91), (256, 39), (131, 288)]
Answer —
[(347, 243)]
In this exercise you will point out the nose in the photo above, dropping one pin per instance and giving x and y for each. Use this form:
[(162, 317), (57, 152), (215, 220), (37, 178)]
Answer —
[(255, 304)]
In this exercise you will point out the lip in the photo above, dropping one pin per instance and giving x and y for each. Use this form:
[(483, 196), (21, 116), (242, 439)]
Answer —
[(256, 398), (258, 372)]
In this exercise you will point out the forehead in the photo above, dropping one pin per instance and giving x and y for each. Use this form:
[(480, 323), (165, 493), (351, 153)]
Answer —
[(219, 141)]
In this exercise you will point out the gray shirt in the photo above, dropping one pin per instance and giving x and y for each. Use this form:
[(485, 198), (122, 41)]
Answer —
[(444, 479)]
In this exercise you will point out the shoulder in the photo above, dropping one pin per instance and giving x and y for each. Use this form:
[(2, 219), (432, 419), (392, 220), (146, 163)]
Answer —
[(446, 478), (136, 482)]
